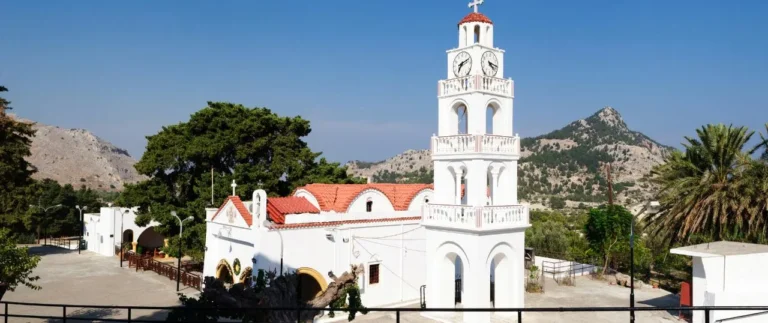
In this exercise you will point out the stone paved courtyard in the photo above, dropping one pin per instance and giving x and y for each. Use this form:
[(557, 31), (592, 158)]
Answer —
[(89, 278), (586, 293)]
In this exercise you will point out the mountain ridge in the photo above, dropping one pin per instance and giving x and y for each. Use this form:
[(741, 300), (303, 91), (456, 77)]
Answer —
[(79, 157), (567, 163)]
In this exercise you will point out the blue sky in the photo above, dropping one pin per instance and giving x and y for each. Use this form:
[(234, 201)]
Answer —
[(365, 72)]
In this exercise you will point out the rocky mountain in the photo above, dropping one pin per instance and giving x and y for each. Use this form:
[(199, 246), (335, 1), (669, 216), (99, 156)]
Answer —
[(78, 157), (567, 164)]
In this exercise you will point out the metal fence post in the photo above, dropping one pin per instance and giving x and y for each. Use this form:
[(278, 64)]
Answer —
[(6, 313), (519, 316), (706, 315), (397, 316), (129, 315), (298, 315), (64, 314)]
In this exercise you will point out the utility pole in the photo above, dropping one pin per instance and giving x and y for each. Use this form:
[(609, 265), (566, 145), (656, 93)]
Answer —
[(610, 183)]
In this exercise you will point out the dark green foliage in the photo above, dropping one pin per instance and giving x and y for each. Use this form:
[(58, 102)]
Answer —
[(268, 291), (607, 231), (355, 302), (714, 189), (420, 176), (16, 264), (15, 171), (58, 221), (556, 202), (556, 235), (254, 146)]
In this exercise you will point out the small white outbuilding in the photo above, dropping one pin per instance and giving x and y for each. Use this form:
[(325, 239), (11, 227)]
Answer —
[(729, 273)]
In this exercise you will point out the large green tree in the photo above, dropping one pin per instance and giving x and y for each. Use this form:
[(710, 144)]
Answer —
[(15, 171), (715, 189), (16, 264), (607, 231), (63, 220), (253, 146)]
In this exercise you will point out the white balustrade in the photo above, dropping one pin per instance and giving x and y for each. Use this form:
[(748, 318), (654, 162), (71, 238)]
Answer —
[(461, 144), (456, 86), (475, 218), (454, 144), (498, 144), (504, 215), (482, 83)]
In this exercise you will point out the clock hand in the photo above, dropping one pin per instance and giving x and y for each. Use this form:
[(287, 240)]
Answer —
[(493, 66)]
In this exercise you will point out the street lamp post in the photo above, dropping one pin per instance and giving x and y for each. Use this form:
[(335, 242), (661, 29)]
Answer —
[(652, 205), (45, 212), (122, 213), (181, 230), (82, 226)]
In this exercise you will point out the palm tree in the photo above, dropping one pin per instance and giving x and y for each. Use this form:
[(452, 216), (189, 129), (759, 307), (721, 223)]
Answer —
[(699, 188)]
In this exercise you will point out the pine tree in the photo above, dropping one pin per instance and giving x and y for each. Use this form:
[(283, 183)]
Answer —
[(15, 171)]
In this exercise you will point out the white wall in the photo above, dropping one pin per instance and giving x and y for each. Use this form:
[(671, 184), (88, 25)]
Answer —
[(103, 230), (479, 252), (419, 201), (730, 281), (380, 202), (398, 248)]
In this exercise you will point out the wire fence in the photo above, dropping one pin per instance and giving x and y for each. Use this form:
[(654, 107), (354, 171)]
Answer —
[(79, 313)]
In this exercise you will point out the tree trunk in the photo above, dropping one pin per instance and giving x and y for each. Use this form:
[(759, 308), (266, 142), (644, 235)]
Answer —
[(3, 288)]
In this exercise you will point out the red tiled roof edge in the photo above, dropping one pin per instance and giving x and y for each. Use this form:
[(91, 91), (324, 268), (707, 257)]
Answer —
[(337, 223), (475, 17), (240, 208)]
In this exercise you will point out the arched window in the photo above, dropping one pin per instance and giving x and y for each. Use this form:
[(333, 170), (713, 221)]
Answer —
[(463, 126), (477, 34), (490, 119), (369, 206)]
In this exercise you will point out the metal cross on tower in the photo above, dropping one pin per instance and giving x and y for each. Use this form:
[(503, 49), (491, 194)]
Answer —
[(234, 185), (476, 3)]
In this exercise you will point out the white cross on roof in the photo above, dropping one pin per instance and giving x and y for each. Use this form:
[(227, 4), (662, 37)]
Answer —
[(476, 3)]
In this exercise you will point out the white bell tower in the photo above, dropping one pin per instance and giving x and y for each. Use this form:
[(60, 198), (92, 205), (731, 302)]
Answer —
[(475, 227)]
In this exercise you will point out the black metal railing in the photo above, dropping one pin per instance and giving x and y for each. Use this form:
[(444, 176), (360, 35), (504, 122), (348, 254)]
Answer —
[(130, 311)]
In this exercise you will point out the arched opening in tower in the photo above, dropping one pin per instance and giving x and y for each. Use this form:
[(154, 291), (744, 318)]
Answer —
[(463, 120), (500, 281), (492, 119), (458, 273)]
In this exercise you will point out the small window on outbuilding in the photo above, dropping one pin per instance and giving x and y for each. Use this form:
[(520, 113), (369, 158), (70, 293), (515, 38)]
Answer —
[(369, 206), (373, 274)]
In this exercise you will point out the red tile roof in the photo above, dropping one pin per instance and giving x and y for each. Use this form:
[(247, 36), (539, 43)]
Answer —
[(279, 207), (338, 223), (338, 197), (240, 208), (475, 17)]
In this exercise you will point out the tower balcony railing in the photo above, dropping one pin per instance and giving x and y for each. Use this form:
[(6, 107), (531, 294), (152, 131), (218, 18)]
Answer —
[(482, 83), (490, 217), (464, 144)]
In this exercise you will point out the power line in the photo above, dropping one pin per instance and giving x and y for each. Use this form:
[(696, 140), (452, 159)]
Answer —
[(391, 235)]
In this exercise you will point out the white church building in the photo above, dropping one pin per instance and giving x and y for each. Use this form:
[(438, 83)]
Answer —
[(415, 240)]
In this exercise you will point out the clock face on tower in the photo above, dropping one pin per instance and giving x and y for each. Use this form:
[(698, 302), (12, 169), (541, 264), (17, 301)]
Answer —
[(490, 63), (462, 64)]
